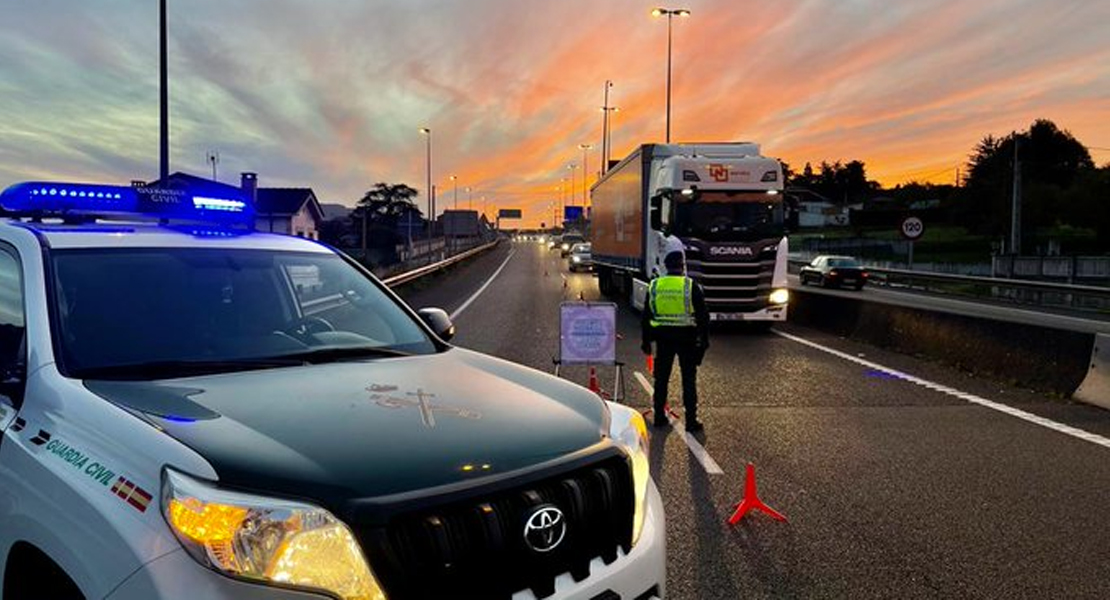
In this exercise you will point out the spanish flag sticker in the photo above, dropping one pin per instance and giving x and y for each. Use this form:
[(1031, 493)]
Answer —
[(134, 495)]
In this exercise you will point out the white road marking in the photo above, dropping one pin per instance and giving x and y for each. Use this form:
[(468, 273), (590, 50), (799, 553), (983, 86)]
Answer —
[(692, 442), (459, 310), (972, 398)]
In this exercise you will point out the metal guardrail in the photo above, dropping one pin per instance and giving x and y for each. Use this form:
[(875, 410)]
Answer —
[(325, 303), (403, 278), (1013, 291)]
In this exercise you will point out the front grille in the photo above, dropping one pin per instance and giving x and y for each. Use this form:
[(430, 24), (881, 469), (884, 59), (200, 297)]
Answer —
[(733, 283), (475, 548)]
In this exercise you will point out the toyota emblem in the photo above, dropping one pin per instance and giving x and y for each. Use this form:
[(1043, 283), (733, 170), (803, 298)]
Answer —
[(545, 529)]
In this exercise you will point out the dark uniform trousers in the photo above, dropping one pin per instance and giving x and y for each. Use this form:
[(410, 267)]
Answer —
[(689, 356)]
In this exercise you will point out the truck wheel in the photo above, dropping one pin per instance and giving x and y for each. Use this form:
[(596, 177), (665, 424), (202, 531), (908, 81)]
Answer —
[(605, 282)]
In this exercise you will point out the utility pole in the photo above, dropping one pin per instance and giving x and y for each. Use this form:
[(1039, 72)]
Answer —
[(1015, 211), (164, 169)]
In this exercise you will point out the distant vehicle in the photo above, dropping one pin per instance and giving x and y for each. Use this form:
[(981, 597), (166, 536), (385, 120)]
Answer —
[(580, 258), (553, 242), (568, 241), (834, 271), (723, 201)]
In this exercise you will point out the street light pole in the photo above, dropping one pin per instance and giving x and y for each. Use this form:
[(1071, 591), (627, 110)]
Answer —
[(469, 198), (164, 150), (572, 167), (585, 169), (670, 14), (431, 209), (605, 129), (455, 180)]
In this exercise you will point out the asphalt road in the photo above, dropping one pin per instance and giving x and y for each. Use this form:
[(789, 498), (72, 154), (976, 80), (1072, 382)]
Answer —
[(893, 489)]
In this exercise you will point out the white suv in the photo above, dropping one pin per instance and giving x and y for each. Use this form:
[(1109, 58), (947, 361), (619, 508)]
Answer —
[(189, 409)]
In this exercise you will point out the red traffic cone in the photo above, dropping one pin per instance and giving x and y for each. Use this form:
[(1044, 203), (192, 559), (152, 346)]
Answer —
[(752, 502), (594, 386)]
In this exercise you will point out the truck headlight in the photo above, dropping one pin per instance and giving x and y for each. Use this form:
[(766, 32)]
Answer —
[(628, 430), (266, 540), (780, 296), (577, 259)]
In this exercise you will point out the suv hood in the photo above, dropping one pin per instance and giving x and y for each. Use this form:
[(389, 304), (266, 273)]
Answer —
[(341, 431)]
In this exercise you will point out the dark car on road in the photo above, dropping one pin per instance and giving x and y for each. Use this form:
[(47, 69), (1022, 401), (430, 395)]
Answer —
[(834, 271), (568, 241)]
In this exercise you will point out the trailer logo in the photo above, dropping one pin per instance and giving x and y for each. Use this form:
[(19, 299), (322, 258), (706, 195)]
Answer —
[(719, 173), (731, 251)]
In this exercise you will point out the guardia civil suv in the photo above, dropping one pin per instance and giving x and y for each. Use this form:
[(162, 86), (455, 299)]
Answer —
[(189, 409)]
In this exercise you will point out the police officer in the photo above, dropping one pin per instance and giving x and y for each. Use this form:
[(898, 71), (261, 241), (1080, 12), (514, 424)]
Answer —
[(676, 319)]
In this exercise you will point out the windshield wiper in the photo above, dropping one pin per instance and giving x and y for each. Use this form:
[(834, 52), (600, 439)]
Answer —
[(164, 369), (340, 353)]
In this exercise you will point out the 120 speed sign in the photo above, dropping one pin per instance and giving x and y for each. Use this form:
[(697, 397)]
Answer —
[(912, 228)]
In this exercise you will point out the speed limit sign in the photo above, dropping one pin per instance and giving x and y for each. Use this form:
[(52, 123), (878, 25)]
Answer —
[(912, 228)]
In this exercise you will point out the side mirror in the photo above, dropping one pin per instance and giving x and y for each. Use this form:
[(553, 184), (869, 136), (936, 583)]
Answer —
[(655, 213), (437, 319)]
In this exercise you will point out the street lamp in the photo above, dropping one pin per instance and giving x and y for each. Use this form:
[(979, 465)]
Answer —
[(455, 180), (431, 207), (606, 137), (572, 167), (605, 129), (670, 14), (585, 169)]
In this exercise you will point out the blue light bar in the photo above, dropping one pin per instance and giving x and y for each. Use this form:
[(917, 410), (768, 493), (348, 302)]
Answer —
[(38, 197), (205, 204)]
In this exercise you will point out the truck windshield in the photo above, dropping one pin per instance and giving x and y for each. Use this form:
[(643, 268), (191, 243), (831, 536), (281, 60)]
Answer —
[(724, 216), (154, 313)]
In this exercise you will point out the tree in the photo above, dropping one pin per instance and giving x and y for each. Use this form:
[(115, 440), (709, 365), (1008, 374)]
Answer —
[(377, 214), (1052, 162), (385, 203)]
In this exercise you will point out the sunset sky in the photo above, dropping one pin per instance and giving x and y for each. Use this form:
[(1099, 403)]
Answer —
[(331, 94)]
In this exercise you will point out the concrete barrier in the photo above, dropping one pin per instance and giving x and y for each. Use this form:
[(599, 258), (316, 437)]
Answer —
[(1031, 356), (1095, 388)]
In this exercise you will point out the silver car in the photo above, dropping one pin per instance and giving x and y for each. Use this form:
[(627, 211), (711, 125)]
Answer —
[(580, 258)]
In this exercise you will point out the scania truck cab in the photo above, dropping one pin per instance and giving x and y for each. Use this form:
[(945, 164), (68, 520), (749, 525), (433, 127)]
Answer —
[(191, 409), (722, 201)]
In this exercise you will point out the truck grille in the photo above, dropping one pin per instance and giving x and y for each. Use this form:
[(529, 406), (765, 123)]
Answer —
[(733, 284), (476, 548)]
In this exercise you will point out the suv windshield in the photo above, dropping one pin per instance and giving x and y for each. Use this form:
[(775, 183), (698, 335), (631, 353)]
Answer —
[(727, 216), (163, 312)]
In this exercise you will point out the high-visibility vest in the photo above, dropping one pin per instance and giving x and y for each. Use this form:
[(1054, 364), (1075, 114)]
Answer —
[(672, 301)]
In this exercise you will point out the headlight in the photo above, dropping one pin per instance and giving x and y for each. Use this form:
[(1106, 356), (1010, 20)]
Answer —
[(577, 259), (628, 430), (780, 296), (266, 540)]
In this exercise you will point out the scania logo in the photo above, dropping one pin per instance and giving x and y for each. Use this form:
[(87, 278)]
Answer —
[(545, 529), (731, 251)]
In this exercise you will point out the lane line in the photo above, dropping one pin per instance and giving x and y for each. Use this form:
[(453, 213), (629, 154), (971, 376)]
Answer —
[(465, 305), (972, 398), (692, 442)]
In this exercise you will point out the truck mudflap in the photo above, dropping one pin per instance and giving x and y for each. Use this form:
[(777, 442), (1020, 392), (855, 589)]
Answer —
[(771, 313)]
